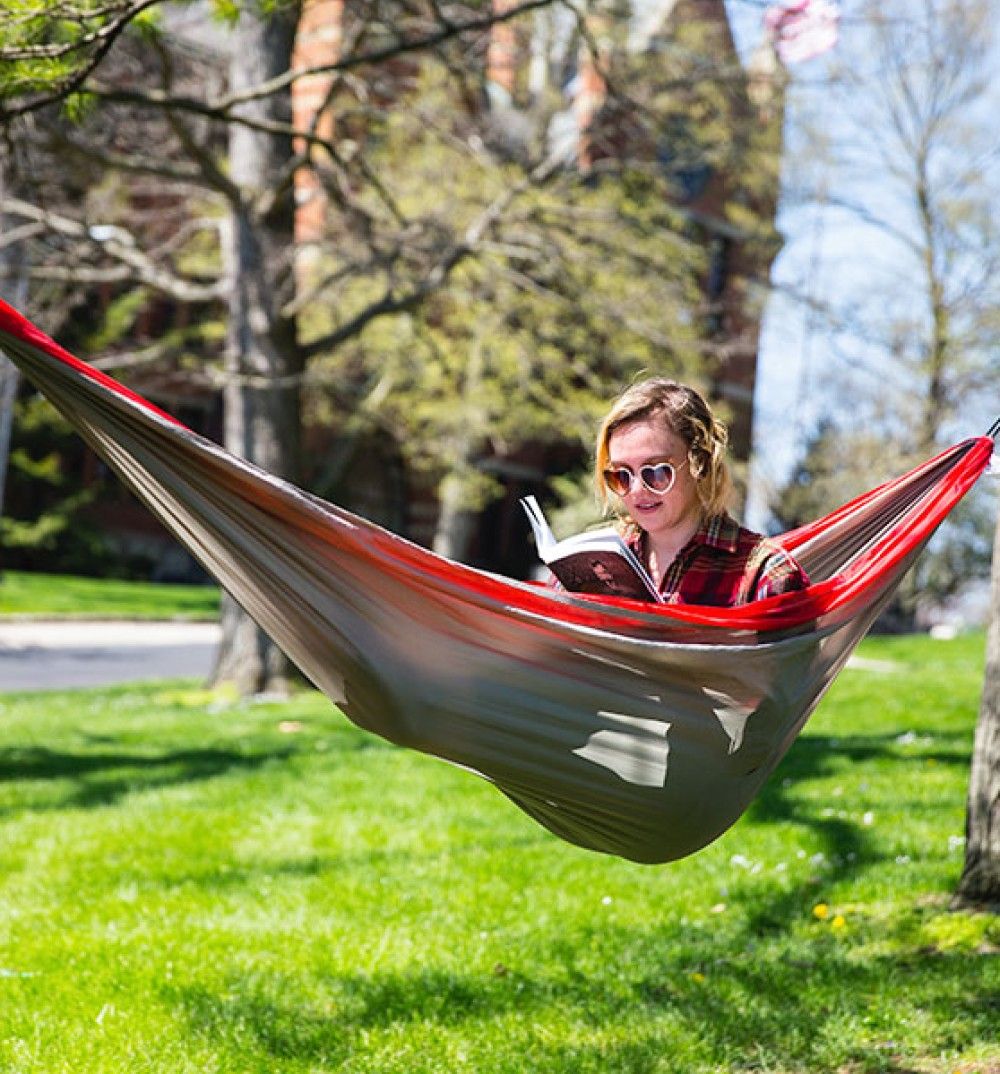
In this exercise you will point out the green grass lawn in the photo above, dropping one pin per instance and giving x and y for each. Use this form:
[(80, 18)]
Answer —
[(64, 596), (190, 884)]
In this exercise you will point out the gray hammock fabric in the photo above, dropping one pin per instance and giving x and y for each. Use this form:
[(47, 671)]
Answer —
[(635, 730)]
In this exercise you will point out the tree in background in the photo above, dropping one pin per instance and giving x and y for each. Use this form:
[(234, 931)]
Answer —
[(909, 152), (48, 54), (840, 462), (597, 270), (908, 124), (11, 280), (903, 139), (466, 258)]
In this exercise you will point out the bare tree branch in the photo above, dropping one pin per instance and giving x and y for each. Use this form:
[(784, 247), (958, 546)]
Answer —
[(136, 164), (211, 173), (116, 243), (223, 107)]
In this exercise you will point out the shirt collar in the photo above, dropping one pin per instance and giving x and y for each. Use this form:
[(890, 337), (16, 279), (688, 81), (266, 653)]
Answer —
[(720, 531)]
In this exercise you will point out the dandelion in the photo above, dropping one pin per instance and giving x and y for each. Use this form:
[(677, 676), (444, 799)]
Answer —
[(698, 978), (607, 900), (839, 922), (821, 911)]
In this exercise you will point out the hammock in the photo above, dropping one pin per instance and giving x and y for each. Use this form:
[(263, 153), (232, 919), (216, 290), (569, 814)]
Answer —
[(632, 729)]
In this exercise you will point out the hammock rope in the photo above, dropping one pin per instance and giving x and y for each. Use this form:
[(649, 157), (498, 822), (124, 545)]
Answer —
[(635, 730)]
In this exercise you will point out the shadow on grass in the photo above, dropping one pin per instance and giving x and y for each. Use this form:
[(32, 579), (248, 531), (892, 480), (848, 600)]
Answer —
[(750, 1013), (99, 774), (102, 778), (821, 756), (747, 994), (335, 1015), (845, 843)]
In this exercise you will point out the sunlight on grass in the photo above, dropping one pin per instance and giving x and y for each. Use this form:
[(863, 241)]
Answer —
[(66, 596), (191, 882)]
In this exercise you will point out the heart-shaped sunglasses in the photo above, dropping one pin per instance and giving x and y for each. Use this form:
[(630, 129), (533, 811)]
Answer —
[(656, 477)]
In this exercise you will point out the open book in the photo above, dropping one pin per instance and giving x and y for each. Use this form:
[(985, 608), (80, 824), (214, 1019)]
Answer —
[(596, 561)]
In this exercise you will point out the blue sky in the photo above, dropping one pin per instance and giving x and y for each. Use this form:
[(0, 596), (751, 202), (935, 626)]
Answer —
[(832, 255), (789, 344)]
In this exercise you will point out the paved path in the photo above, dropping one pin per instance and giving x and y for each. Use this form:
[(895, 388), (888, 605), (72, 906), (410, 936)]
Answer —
[(63, 654), (40, 655)]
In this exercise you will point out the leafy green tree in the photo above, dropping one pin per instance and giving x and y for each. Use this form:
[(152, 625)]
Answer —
[(472, 280), (585, 287), (58, 527), (593, 270), (47, 53)]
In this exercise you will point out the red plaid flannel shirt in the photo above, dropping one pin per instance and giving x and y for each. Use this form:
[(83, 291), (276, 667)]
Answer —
[(724, 565)]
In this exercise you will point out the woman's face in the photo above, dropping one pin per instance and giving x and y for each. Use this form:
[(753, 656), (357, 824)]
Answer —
[(647, 442)]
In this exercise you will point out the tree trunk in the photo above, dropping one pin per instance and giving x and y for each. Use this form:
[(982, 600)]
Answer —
[(8, 393), (13, 288), (456, 518), (263, 360), (980, 882), (456, 521)]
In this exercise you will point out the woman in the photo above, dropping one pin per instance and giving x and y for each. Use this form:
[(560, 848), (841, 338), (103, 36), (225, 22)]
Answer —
[(661, 453)]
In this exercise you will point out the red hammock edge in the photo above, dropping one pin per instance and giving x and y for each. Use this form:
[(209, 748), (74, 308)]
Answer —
[(786, 611)]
